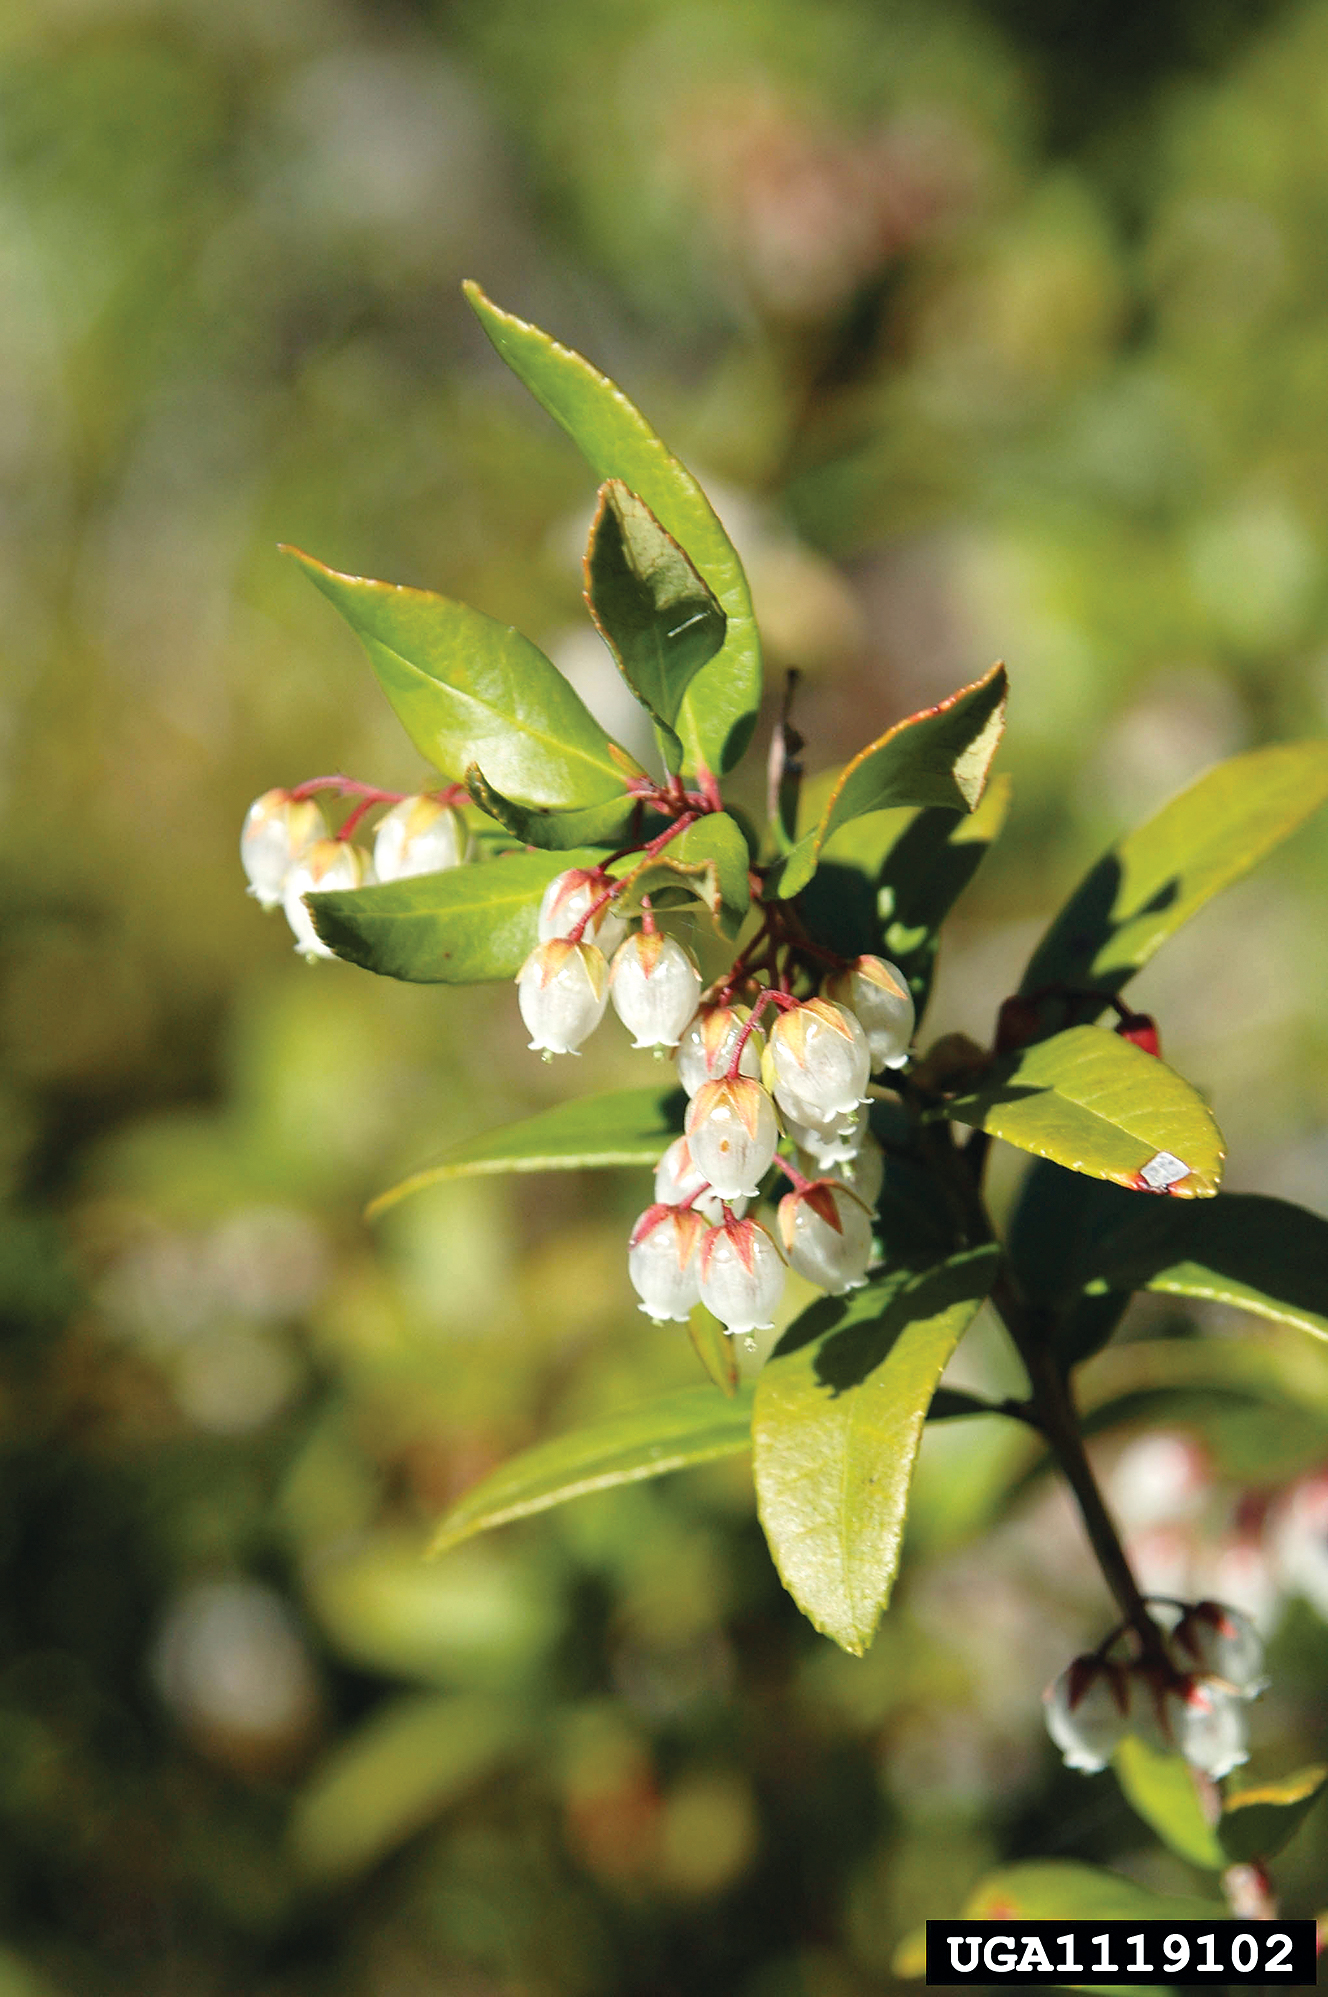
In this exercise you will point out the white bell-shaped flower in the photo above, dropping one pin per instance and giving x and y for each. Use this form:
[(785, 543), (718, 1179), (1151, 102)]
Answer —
[(742, 1276), (677, 1180), (705, 1052), (326, 865), (831, 1140), (863, 1173), (732, 1131), (654, 984), (664, 1264), (565, 901), (419, 836), (1208, 1725), (1087, 1711), (1221, 1643), (819, 1059), (877, 994), (563, 990), (277, 830), (826, 1233)]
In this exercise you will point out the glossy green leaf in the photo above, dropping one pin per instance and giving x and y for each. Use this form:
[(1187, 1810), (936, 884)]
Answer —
[(1256, 1823), (467, 689), (653, 610), (693, 1426), (459, 927), (1094, 1103), (714, 1348), (938, 757), (1154, 879), (552, 831), (718, 710), (1059, 1889), (392, 1776), (1057, 1219), (1161, 1788), (1262, 1255), (708, 862), (839, 1411), (629, 1127)]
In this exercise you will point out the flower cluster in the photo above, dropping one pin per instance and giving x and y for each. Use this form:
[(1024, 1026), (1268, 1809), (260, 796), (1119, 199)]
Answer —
[(1186, 1696), (287, 851), (802, 1085)]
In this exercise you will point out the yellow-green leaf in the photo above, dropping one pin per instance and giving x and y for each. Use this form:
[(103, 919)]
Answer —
[(1256, 1823), (1161, 1788)]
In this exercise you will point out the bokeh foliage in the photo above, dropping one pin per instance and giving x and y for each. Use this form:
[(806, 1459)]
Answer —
[(995, 330)]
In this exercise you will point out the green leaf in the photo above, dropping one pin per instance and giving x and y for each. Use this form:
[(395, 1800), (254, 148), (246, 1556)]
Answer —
[(672, 1433), (708, 862), (655, 613), (1161, 1788), (718, 710), (1262, 1255), (1094, 1103), (1256, 1823), (1057, 1219), (938, 757), (629, 1127), (468, 690), (553, 831), (1058, 1889), (392, 1776), (459, 927), (1154, 879), (714, 1348), (838, 1416)]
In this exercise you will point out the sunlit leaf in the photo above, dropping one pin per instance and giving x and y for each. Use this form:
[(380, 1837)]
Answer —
[(1094, 1103), (839, 1411), (394, 1774), (654, 612), (459, 927), (1256, 1823), (718, 709), (467, 689), (1154, 879), (708, 862), (628, 1127), (938, 757), (693, 1426), (1161, 1788)]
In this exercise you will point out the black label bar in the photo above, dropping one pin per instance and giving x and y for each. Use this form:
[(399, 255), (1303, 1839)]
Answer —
[(1279, 1953)]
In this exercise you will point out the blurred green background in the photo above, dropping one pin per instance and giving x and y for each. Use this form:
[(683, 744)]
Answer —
[(996, 330)]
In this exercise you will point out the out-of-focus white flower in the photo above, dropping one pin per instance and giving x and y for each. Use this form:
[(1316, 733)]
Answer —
[(326, 865), (1208, 1725), (877, 994), (1087, 1710), (277, 830), (732, 1131), (663, 1262), (1222, 1643), (742, 1276), (654, 984), (562, 989), (419, 836), (1300, 1541)]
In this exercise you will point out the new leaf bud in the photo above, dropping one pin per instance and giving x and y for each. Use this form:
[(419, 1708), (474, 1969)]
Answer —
[(663, 1262), (732, 1131), (826, 1232), (705, 1052), (419, 836), (742, 1276), (654, 984), (562, 989), (327, 864), (277, 830), (877, 994), (566, 899), (820, 1061)]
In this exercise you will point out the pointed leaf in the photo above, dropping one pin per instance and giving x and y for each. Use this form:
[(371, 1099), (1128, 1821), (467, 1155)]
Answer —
[(1059, 1889), (1262, 1255), (1154, 879), (938, 757), (629, 1127), (467, 689), (553, 831), (708, 862), (839, 1413), (1094, 1103), (459, 927), (714, 1348), (654, 612), (1256, 1823), (1161, 1788), (693, 1426), (718, 710), (393, 1775)]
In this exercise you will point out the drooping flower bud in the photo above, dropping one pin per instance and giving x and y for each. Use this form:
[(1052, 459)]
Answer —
[(819, 1058), (322, 867), (277, 830), (732, 1131), (677, 1180), (877, 994), (742, 1276), (419, 836), (1087, 1711), (663, 1261), (565, 901), (705, 1052), (563, 990), (654, 984), (832, 1140), (1222, 1643), (863, 1173), (826, 1232)]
